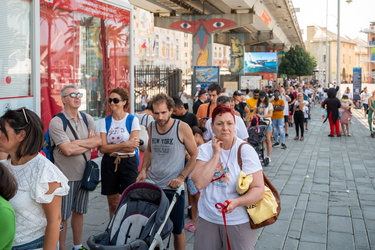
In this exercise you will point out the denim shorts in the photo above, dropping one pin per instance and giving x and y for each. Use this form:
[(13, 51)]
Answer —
[(36, 244)]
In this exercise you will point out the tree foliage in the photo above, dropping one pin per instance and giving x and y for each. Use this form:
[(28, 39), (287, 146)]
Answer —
[(297, 62)]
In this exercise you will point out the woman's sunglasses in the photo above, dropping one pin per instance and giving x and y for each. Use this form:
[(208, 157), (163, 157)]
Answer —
[(74, 95), (114, 100)]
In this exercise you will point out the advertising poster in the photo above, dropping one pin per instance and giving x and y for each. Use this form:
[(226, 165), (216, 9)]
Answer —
[(357, 82), (250, 82), (260, 62), (206, 75)]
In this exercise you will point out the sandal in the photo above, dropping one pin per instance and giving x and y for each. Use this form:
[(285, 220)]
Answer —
[(296, 138), (301, 139)]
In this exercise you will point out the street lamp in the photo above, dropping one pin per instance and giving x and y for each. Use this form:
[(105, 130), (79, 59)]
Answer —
[(338, 81)]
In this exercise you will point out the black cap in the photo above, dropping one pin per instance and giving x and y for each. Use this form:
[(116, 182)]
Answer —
[(262, 94), (237, 92)]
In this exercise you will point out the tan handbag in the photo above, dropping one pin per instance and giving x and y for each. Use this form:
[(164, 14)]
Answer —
[(266, 211)]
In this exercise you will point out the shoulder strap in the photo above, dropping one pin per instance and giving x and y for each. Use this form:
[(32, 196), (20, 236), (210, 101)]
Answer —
[(108, 121), (208, 110), (75, 136), (66, 122), (239, 158), (63, 119), (84, 118), (129, 122)]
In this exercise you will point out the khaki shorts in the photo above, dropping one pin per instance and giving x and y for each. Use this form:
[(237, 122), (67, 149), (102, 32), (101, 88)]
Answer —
[(212, 236)]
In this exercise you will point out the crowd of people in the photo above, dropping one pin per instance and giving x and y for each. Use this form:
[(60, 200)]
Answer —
[(38, 197)]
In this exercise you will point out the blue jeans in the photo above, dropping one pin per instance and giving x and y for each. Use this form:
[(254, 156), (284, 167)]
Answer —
[(278, 127), (38, 243)]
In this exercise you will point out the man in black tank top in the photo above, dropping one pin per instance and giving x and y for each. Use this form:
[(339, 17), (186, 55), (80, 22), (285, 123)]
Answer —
[(168, 140)]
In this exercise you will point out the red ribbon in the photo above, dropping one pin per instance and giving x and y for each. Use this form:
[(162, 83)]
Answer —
[(223, 211)]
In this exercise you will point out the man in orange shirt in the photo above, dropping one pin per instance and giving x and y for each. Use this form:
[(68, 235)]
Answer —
[(205, 110), (252, 102), (278, 120)]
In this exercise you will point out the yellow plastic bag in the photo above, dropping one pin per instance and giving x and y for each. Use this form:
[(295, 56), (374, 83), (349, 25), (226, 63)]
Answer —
[(261, 210)]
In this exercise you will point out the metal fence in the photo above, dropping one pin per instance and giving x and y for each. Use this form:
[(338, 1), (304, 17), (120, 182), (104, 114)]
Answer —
[(155, 80)]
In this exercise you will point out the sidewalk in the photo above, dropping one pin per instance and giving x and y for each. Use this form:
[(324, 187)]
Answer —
[(326, 186)]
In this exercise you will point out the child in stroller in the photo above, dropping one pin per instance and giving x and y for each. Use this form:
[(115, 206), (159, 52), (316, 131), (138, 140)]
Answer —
[(141, 220), (257, 131)]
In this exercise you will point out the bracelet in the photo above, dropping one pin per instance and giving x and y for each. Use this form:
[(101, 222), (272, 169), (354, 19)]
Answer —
[(182, 176)]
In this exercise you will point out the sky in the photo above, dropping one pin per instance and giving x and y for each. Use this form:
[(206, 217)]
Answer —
[(354, 16)]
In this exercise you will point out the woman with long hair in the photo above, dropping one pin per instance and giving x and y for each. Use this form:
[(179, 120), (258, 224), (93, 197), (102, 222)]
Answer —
[(41, 184), (119, 144), (264, 109), (216, 173)]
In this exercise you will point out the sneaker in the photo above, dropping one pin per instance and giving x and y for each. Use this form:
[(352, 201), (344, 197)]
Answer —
[(276, 144), (286, 135), (283, 146), (330, 135)]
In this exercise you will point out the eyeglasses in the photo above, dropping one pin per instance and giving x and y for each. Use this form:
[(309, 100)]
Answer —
[(74, 95), (114, 100)]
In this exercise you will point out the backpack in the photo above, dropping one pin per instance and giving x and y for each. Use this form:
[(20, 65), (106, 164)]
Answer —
[(49, 147), (128, 125)]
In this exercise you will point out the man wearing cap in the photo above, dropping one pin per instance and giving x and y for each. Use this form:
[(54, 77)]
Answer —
[(278, 120), (198, 88), (202, 98), (240, 106)]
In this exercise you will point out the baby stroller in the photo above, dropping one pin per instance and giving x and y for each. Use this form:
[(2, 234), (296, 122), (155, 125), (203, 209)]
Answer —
[(257, 131), (141, 220)]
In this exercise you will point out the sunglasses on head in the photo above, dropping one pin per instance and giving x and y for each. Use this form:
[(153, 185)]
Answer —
[(74, 95), (114, 100)]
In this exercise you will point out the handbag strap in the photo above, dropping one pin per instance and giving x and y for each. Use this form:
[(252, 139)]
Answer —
[(76, 137), (239, 158)]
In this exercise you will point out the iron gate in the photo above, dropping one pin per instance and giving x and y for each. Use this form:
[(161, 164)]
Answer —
[(155, 80)]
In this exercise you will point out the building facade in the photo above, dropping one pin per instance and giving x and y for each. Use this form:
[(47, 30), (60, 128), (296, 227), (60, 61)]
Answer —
[(322, 44)]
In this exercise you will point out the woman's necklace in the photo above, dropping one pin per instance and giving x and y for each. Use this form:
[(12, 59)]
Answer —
[(231, 146), (226, 164)]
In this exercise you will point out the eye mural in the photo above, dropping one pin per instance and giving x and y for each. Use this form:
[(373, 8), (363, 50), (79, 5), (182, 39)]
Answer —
[(201, 29)]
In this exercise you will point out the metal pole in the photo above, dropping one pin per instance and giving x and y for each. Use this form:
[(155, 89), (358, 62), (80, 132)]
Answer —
[(338, 44), (328, 59)]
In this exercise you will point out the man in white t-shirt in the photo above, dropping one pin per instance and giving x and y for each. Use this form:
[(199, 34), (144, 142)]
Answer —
[(364, 98), (241, 131)]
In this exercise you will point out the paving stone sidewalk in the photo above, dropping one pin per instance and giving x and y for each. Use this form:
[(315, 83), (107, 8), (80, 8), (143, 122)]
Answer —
[(326, 186)]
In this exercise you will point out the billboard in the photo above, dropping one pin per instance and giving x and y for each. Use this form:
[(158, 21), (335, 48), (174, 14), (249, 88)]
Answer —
[(205, 75), (261, 62)]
